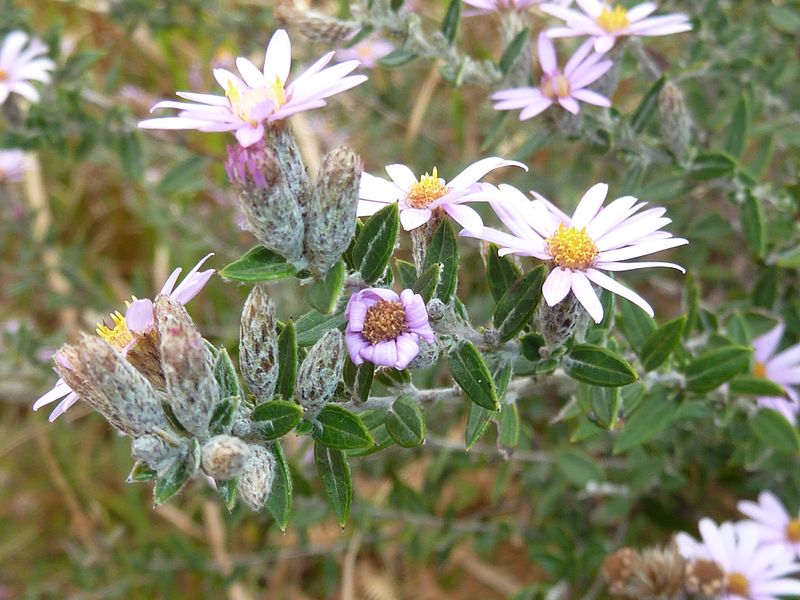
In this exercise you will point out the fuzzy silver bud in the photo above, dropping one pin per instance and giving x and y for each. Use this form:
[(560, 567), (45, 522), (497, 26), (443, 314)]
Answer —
[(192, 389), (271, 212), (320, 372), (241, 421), (258, 344), (255, 479), (316, 26), (557, 323), (331, 211), (427, 357), (674, 120), (290, 161), (155, 452), (223, 457)]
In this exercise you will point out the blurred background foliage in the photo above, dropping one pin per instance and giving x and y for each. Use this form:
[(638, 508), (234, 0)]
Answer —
[(111, 210)]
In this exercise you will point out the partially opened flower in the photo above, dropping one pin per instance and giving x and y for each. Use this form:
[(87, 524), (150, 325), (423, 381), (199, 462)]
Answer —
[(581, 247), (606, 22), (419, 198), (384, 328), (127, 329), (776, 526), (732, 563), (259, 96), (19, 65), (782, 368), (12, 165), (566, 88)]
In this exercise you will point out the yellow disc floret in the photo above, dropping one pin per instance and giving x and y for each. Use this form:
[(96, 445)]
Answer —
[(572, 248), (244, 100), (738, 584), (119, 336), (3, 75), (614, 19), (793, 530), (760, 370), (556, 87), (426, 190), (384, 321)]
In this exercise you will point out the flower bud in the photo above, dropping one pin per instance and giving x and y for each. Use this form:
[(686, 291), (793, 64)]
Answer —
[(192, 389), (290, 161), (255, 480), (674, 120), (258, 344), (557, 323), (154, 451), (317, 27), (271, 212), (331, 212), (223, 457), (320, 372), (144, 355)]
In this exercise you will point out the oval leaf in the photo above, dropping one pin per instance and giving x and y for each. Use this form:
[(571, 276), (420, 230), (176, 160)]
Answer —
[(276, 418), (375, 243), (279, 501), (473, 376), (598, 366), (444, 250), (517, 305), (405, 422), (338, 428), (258, 265), (712, 369), (335, 475), (661, 343), (775, 431)]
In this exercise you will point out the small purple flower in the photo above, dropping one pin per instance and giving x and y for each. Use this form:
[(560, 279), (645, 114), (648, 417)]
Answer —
[(565, 88), (12, 165), (782, 368), (777, 526), (384, 328)]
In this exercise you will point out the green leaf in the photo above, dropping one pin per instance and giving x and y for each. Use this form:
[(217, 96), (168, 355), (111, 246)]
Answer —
[(647, 107), (227, 491), (772, 428), (178, 474), (375, 243), (513, 50), (710, 370), (444, 250), (276, 418), (225, 374), (405, 422), (279, 501), (753, 225), (222, 417), (141, 473), (407, 271), (598, 366), (310, 327), (508, 431), (258, 265), (652, 415), (473, 376), (396, 58), (517, 305), (712, 165), (737, 128), (662, 343), (756, 386), (338, 428), (478, 419), (359, 379), (605, 404), (324, 294), (78, 63), (428, 281), (579, 468), (335, 475), (375, 422), (287, 361), (501, 272), (637, 325), (451, 20)]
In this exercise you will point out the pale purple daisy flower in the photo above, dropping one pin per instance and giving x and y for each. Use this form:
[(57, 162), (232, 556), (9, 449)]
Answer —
[(782, 368), (368, 52), (580, 247), (419, 198), (258, 96), (137, 321), (778, 528), (384, 328), (20, 65), (565, 88), (12, 165), (606, 22), (736, 565)]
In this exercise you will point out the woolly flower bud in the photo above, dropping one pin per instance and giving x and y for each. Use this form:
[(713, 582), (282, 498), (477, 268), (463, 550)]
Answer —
[(318, 27), (144, 355), (675, 122), (255, 480), (155, 451), (271, 212), (331, 212), (290, 162), (114, 388), (320, 372), (192, 389), (223, 457), (617, 570), (556, 323), (258, 344)]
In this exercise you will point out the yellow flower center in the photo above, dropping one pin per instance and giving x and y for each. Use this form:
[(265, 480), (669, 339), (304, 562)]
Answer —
[(793, 530), (759, 370), (614, 19), (244, 101), (3, 75), (426, 190), (738, 584), (384, 321), (119, 335), (556, 87), (572, 248)]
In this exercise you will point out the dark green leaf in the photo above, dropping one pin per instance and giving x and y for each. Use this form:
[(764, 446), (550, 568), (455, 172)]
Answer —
[(501, 272), (661, 343), (473, 376), (756, 386), (279, 501), (324, 294), (428, 281), (478, 419), (374, 420), (772, 428), (311, 326), (257, 266), (517, 305), (647, 107), (711, 165), (287, 361), (451, 20), (222, 417), (405, 422), (530, 344), (396, 58), (444, 249), (335, 475), (605, 404), (375, 243), (653, 415), (338, 428), (753, 225), (178, 474), (508, 431), (513, 50), (712, 369), (737, 128), (359, 379), (407, 271), (275, 418), (227, 491), (225, 374), (141, 473), (579, 468), (637, 325), (598, 366)]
